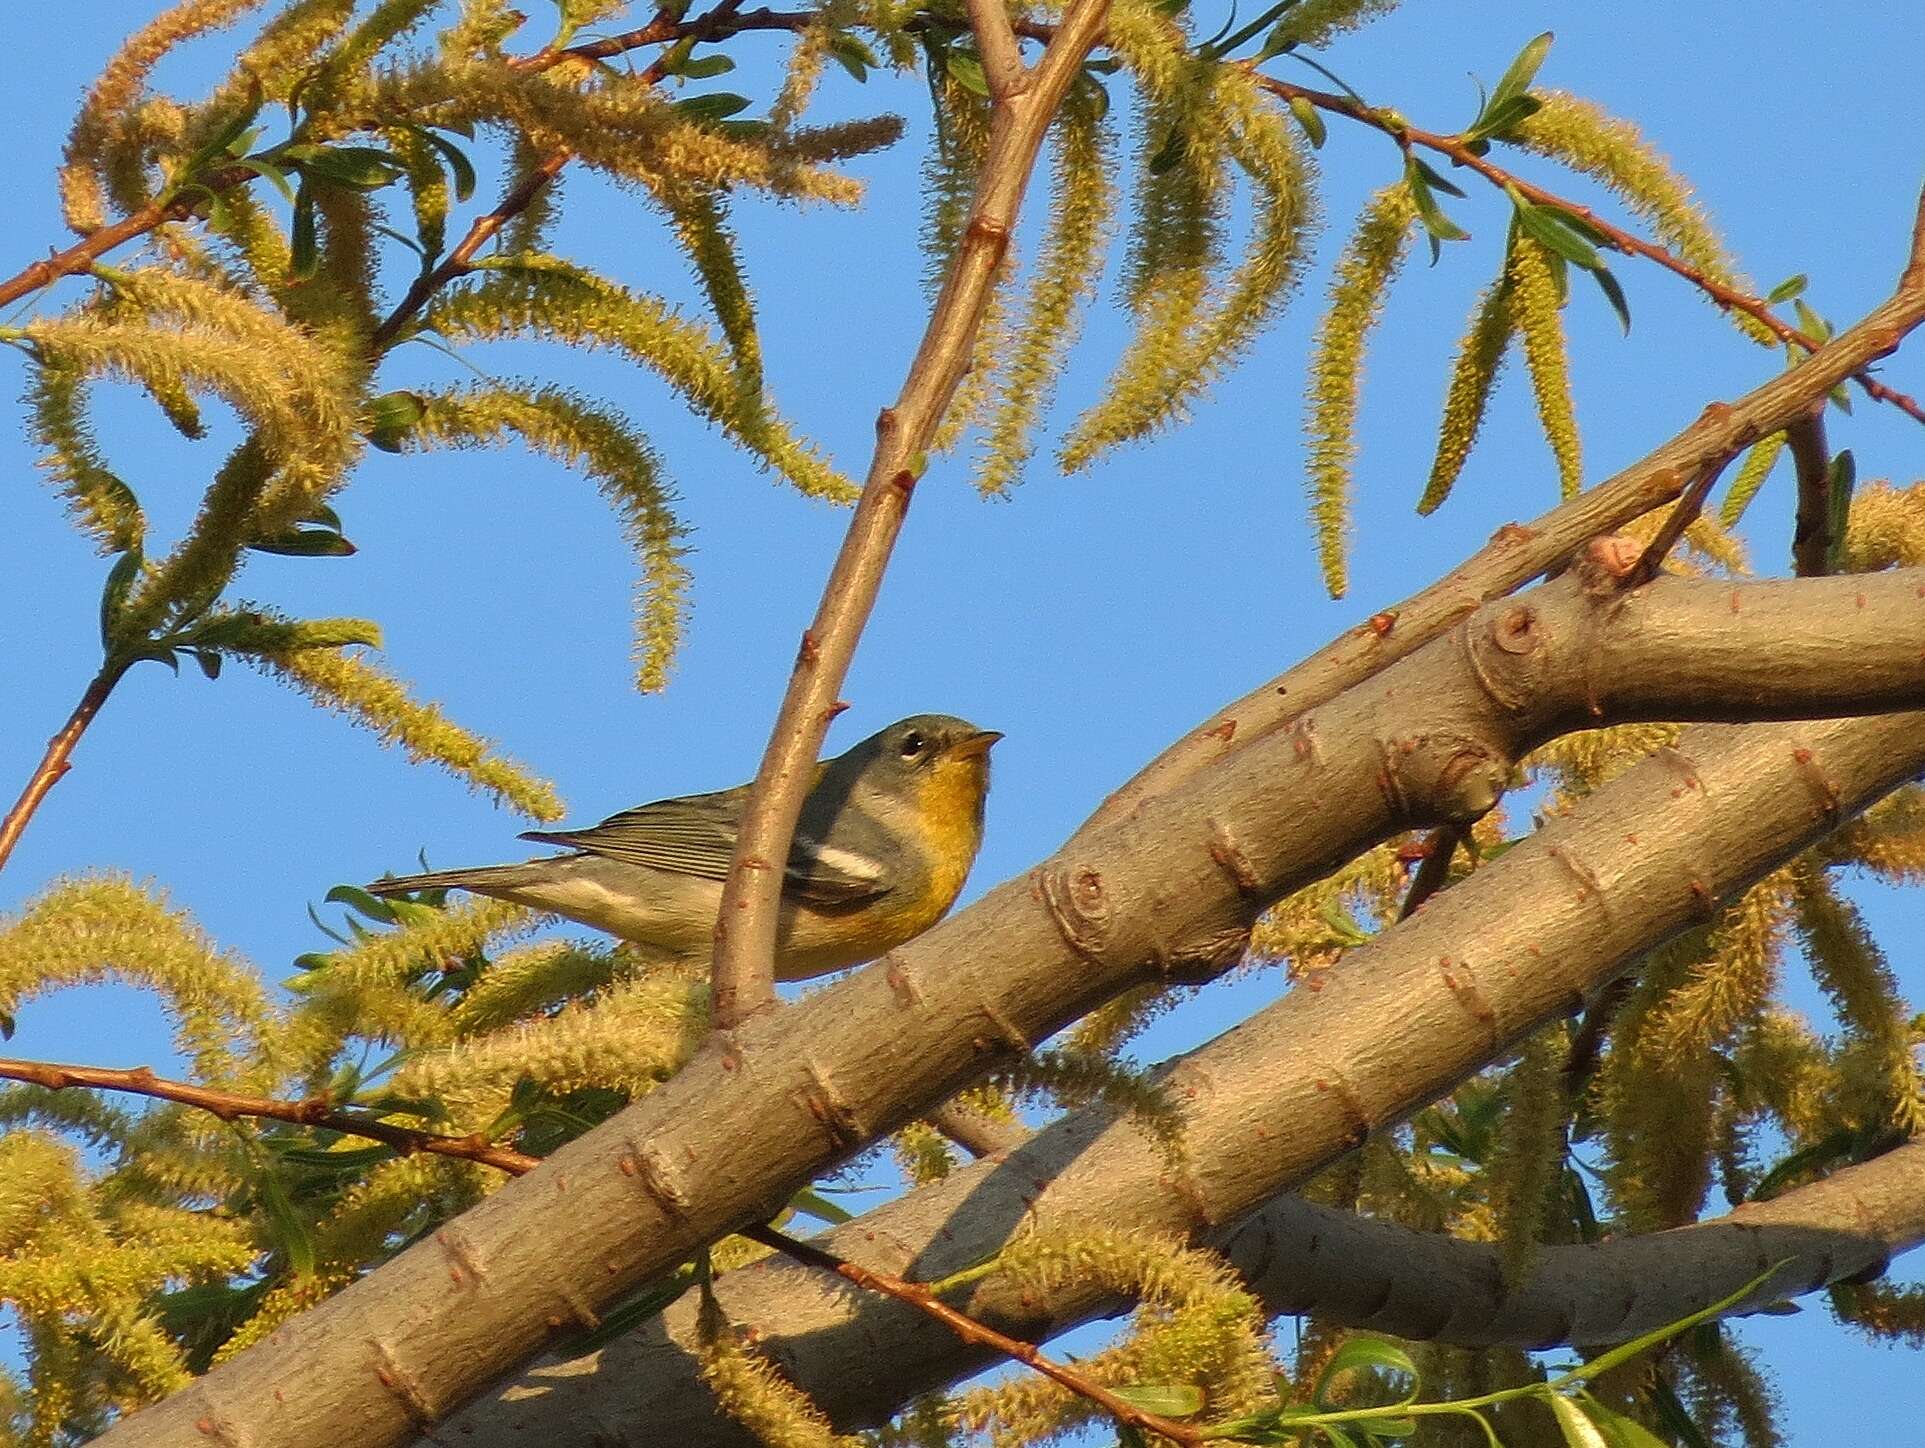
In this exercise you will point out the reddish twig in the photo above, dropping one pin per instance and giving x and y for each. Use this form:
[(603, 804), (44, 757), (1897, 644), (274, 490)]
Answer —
[(140, 1081), (745, 927), (1682, 515), (978, 1335), (55, 763), (1811, 538), (1730, 298), (1434, 869)]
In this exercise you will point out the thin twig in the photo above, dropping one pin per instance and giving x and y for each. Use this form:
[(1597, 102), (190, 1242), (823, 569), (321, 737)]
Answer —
[(745, 927), (1682, 515), (1003, 68), (977, 1334), (1434, 869), (1730, 298), (140, 1081), (1811, 539), (56, 761)]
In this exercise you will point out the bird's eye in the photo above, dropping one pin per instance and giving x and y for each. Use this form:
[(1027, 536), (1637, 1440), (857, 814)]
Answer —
[(913, 744)]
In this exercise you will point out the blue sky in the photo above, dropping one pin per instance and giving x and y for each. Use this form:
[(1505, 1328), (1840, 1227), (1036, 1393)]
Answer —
[(1091, 618)]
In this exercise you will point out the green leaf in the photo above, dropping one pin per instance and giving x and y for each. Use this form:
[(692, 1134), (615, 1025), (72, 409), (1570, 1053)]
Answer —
[(1788, 289), (1166, 1400), (459, 166), (1810, 322), (1343, 925), (1367, 1354), (305, 254), (351, 1160), (1578, 1430), (1523, 70), (853, 54), (1664, 1398), (654, 1299), (715, 106), (1839, 484), (1497, 120), (355, 898), (1439, 226), (1614, 294), (814, 1204), (289, 1231), (305, 543), (1306, 117), (359, 168), (1624, 1352), (1551, 229), (1620, 1431), (391, 417), (705, 67), (113, 594), (967, 71), (267, 171), (1429, 173), (1170, 152)]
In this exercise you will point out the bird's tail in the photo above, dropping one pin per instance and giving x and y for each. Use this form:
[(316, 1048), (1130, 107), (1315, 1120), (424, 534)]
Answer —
[(484, 878)]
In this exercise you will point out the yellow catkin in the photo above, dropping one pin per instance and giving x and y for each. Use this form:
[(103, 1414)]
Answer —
[(922, 1153), (1883, 1312), (1888, 839), (358, 690), (520, 983), (587, 436), (1196, 1326), (1364, 272), (1851, 969), (543, 296), (1536, 306), (749, 1389), (701, 224), (1473, 377), (1582, 136), (636, 1035), (1726, 990), (427, 940), (1759, 461), (1657, 1113), (100, 504), (1524, 1171), (1315, 23), (1081, 207), (1887, 527), (117, 90), (101, 927)]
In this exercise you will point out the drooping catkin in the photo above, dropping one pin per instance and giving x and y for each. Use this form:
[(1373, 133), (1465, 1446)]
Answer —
[(1536, 304), (1473, 378), (1369, 263)]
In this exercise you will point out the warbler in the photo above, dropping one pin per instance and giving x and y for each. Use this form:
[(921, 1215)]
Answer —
[(886, 837)]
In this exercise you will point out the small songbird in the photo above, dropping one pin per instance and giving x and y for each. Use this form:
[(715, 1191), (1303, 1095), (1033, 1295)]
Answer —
[(886, 837)]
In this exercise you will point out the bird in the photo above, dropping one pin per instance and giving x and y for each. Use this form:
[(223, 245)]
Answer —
[(887, 835)]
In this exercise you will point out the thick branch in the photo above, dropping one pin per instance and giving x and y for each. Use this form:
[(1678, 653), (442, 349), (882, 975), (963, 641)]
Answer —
[(1518, 553), (745, 927), (1393, 1026), (229, 1106), (1169, 891)]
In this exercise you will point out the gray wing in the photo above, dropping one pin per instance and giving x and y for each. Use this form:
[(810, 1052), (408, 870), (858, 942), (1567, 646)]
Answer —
[(695, 835)]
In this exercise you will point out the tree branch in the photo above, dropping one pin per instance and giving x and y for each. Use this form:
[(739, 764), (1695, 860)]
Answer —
[(1518, 553), (228, 1105), (1395, 1024), (55, 763), (746, 925), (976, 1334), (1811, 538), (1729, 298), (1169, 893), (1003, 68)]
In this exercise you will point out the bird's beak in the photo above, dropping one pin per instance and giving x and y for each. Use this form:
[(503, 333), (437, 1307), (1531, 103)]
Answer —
[(975, 746)]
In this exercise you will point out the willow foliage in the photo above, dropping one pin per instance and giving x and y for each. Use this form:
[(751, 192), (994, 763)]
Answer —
[(323, 205)]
